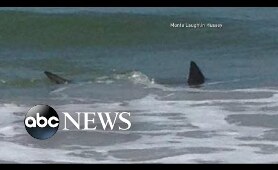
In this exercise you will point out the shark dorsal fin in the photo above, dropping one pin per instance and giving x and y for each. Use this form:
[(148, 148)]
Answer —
[(55, 78), (195, 77)]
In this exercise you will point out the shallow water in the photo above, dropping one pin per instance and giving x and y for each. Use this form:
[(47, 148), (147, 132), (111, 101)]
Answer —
[(129, 59)]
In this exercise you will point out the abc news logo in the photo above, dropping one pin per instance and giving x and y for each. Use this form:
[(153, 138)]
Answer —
[(42, 121)]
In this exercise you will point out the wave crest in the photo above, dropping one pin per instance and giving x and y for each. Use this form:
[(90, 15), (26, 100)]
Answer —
[(136, 77)]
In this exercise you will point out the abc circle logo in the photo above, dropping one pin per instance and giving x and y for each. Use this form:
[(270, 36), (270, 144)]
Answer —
[(41, 122)]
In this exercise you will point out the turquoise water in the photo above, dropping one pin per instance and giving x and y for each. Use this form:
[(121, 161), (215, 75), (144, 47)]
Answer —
[(131, 59), (83, 42)]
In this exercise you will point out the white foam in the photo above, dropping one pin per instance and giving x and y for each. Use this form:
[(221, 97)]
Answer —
[(151, 110), (23, 154), (7, 110), (11, 131)]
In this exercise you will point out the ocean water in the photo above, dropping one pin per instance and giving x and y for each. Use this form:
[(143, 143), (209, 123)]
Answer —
[(130, 59)]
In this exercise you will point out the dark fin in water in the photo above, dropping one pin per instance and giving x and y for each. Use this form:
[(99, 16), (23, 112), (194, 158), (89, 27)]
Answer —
[(195, 77), (55, 78)]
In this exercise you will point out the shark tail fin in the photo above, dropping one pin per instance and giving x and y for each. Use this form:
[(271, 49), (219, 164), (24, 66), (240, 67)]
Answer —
[(55, 78)]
